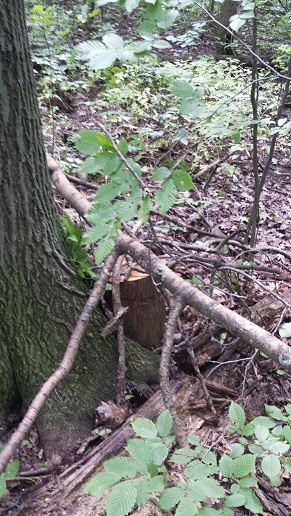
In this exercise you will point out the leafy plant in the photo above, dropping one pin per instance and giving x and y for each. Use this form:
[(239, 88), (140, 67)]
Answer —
[(229, 478), (79, 255), (10, 472)]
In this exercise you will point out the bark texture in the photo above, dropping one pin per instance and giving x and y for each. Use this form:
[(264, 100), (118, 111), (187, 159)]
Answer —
[(41, 296)]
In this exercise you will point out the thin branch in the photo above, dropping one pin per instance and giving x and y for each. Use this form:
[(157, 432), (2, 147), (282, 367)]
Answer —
[(201, 379), (121, 369), (64, 367)]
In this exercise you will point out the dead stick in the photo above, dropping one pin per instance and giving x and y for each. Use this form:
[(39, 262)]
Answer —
[(121, 368)]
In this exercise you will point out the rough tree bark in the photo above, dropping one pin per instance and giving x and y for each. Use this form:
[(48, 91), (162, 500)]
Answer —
[(41, 296)]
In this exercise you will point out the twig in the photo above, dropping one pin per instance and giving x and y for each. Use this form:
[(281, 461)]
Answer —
[(177, 306), (120, 155), (121, 368), (64, 367), (201, 379)]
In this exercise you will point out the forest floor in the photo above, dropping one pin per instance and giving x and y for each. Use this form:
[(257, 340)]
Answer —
[(219, 203)]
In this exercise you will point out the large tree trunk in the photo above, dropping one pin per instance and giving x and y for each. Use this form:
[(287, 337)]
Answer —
[(41, 296)]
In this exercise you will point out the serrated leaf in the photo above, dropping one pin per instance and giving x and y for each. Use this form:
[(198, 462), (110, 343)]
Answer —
[(96, 233), (143, 493), (199, 470), (279, 447), (186, 507), (264, 421), (244, 465), (113, 163), (226, 466), (183, 456), (287, 433), (236, 414), (164, 423), (193, 439), (200, 490), (248, 482), (235, 500), (161, 44), (166, 18), (271, 465), (11, 470), (123, 146), (261, 433), (191, 109), (247, 430), (171, 497), (2, 486), (145, 208), (144, 428), (121, 499), (207, 511), (159, 452), (252, 502), (99, 484), (166, 196), (112, 40), (147, 29), (121, 466), (107, 192), (88, 143), (236, 22), (156, 484), (105, 141), (98, 55), (275, 412), (104, 249), (237, 450), (160, 174), (139, 450), (182, 180)]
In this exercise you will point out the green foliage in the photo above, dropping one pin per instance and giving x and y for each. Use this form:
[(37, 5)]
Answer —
[(135, 478), (73, 236), (121, 197), (9, 473)]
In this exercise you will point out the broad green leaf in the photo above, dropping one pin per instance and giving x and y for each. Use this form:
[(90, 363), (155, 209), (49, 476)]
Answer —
[(279, 447), (286, 462), (193, 439), (288, 408), (139, 450), (183, 90), (252, 503), (143, 493), (271, 466), (142, 47), (226, 466), (244, 465), (156, 484), (126, 210), (236, 414), (171, 497), (160, 174), (275, 481), (200, 490), (264, 421), (186, 507), (237, 450), (113, 163), (98, 55), (166, 18), (96, 233), (248, 482), (285, 330), (261, 433), (207, 511), (121, 499), (105, 142), (166, 196), (236, 22), (287, 433), (144, 428), (2, 486), (198, 471), (235, 500), (103, 249), (121, 466), (107, 192), (161, 43), (123, 146), (93, 165), (164, 423), (192, 109), (113, 41), (275, 412), (88, 143), (182, 180), (247, 430), (159, 452), (130, 5), (183, 456), (145, 208), (256, 450), (210, 458), (147, 29), (99, 484), (11, 470)]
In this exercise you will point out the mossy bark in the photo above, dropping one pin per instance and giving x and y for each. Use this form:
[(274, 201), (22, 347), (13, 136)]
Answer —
[(41, 297)]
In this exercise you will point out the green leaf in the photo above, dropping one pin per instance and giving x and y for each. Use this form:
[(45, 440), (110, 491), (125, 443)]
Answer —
[(247, 430), (123, 146), (113, 41), (183, 90), (107, 192), (2, 486), (275, 412), (121, 499), (171, 497), (161, 44), (193, 439), (11, 470), (166, 196), (139, 450), (287, 433), (226, 466), (104, 249), (143, 492), (160, 174), (183, 456), (98, 55), (99, 484), (94, 164), (191, 109), (144, 428), (105, 142), (164, 423), (182, 180), (145, 209), (252, 503), (237, 450), (197, 470), (261, 433), (166, 18), (121, 466), (264, 421), (207, 511), (244, 465), (186, 507), (248, 481), (130, 5), (235, 500), (156, 484), (271, 466), (159, 452), (279, 447), (113, 163), (236, 414), (88, 143), (200, 490), (236, 22)]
